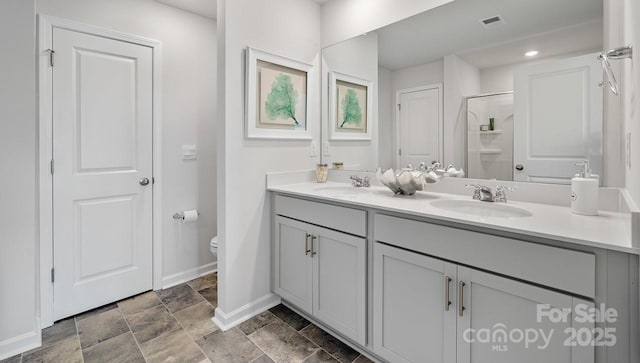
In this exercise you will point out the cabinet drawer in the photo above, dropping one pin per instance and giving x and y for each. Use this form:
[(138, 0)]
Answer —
[(560, 268), (343, 219)]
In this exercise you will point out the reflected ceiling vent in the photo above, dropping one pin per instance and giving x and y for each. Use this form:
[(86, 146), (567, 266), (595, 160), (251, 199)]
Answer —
[(493, 21)]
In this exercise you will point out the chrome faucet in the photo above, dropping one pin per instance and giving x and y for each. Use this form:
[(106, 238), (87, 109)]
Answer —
[(486, 194), (358, 182)]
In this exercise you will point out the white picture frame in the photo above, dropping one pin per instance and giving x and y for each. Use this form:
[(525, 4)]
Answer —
[(339, 129), (263, 70)]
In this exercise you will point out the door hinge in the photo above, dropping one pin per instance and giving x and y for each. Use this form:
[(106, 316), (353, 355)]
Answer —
[(399, 107), (53, 275), (399, 152), (51, 52), (51, 166)]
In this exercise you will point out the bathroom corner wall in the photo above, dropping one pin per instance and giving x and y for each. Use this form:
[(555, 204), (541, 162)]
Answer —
[(461, 79), (290, 28), (19, 327), (188, 117), (631, 98)]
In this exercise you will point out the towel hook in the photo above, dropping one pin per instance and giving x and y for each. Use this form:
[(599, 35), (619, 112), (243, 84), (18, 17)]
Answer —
[(614, 54)]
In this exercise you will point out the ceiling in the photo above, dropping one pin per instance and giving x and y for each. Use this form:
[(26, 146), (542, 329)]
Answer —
[(455, 28), (206, 8)]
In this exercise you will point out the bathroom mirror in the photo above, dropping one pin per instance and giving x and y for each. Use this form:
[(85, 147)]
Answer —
[(507, 90)]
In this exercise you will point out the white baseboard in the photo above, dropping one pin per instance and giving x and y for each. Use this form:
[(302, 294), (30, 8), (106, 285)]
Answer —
[(181, 277), (226, 321), (20, 343)]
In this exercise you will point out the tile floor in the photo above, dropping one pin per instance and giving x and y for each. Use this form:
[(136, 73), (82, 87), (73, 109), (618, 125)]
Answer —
[(174, 325)]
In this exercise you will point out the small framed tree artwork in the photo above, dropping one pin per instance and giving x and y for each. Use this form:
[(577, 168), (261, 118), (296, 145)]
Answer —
[(277, 97), (350, 103)]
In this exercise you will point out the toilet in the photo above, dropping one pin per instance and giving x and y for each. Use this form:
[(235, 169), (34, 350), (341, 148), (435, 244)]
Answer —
[(214, 246)]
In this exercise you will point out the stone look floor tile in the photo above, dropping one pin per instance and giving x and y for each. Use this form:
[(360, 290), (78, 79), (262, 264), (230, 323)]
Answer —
[(320, 357), (179, 297), (121, 349), (211, 294), (290, 317), (257, 322), (229, 347), (152, 323), (263, 359), (175, 346), (328, 342), (204, 282), (362, 359), (14, 359), (58, 332), (139, 303), (196, 319), (100, 327), (95, 311), (283, 343), (67, 351)]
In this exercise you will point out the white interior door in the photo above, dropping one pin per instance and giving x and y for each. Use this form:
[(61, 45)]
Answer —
[(557, 119), (420, 126), (102, 150)]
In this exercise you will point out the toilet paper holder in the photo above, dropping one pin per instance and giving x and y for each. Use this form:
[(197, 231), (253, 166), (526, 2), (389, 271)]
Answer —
[(180, 215)]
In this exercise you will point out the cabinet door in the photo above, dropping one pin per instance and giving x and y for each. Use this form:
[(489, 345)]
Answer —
[(339, 282), (292, 264), (414, 307), (500, 315)]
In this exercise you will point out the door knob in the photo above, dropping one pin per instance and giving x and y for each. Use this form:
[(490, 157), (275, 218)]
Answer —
[(519, 167), (144, 181)]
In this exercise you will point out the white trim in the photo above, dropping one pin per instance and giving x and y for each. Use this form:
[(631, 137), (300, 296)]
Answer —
[(396, 129), (226, 321), (334, 135), (184, 276), (46, 24), (21, 343), (251, 131)]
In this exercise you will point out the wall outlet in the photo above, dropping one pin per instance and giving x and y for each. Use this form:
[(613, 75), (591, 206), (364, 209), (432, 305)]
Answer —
[(313, 149), (189, 152), (627, 148), (326, 150)]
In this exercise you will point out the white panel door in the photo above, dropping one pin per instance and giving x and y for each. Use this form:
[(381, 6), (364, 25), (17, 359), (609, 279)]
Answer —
[(420, 126), (414, 307), (497, 310), (339, 266), (557, 119), (102, 150)]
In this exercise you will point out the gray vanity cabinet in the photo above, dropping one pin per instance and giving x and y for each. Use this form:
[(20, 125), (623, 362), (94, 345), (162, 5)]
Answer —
[(497, 309), (323, 272), (429, 310), (413, 307)]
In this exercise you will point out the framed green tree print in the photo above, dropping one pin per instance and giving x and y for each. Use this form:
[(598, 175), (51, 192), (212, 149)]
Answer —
[(277, 97), (350, 102)]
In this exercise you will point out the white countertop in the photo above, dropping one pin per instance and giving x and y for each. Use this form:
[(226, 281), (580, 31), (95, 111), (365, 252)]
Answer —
[(608, 230)]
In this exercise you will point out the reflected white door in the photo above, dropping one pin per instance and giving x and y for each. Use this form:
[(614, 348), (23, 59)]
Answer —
[(557, 119), (420, 126), (102, 149)]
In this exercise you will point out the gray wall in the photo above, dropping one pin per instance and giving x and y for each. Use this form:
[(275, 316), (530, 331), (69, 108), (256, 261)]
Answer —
[(18, 220)]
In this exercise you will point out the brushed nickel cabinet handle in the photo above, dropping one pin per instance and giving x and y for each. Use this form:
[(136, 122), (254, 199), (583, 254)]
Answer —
[(313, 252), (461, 309), (307, 250), (447, 302)]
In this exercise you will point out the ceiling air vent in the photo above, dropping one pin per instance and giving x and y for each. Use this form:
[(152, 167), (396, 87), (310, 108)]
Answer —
[(493, 21)]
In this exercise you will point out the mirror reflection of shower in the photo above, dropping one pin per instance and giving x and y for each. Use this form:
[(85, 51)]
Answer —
[(490, 136)]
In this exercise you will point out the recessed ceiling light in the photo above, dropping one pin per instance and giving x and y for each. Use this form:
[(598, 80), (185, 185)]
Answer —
[(531, 53)]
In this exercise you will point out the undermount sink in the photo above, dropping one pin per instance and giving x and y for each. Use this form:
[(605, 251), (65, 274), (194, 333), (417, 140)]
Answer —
[(481, 209)]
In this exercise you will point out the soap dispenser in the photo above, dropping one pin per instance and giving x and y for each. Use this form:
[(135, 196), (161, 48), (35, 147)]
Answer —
[(584, 191)]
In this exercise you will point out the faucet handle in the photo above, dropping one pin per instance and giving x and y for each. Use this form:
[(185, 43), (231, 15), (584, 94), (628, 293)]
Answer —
[(500, 195)]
